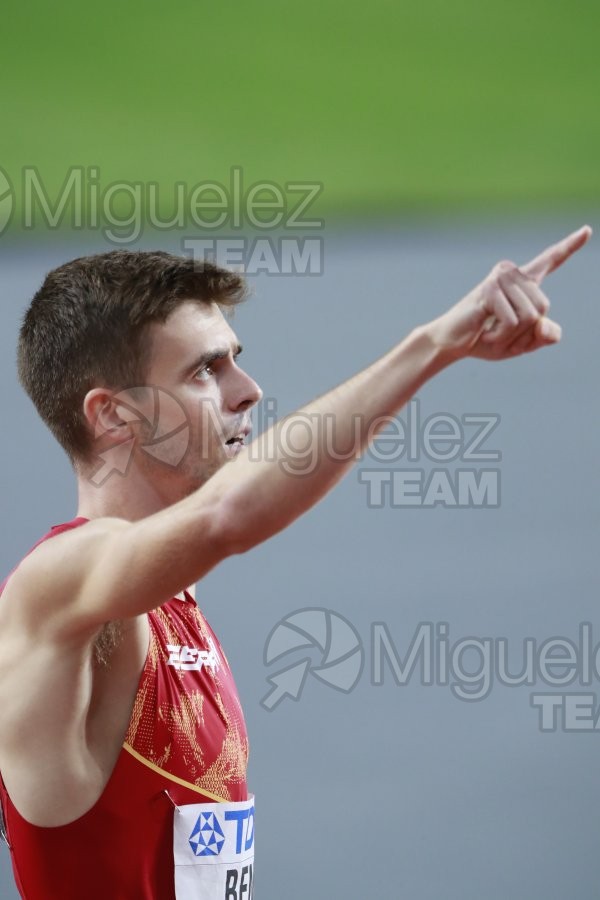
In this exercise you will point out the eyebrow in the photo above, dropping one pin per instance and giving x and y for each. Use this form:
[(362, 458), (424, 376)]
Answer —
[(211, 356)]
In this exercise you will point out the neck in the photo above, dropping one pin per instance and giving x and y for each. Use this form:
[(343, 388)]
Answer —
[(126, 498), (132, 496)]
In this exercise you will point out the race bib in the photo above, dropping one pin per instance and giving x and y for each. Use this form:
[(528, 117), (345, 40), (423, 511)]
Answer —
[(214, 851)]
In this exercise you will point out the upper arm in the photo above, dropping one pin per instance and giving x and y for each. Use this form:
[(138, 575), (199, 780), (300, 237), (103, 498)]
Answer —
[(148, 561), (109, 568)]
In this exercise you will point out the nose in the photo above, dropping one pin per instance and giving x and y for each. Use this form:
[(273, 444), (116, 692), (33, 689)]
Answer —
[(244, 392)]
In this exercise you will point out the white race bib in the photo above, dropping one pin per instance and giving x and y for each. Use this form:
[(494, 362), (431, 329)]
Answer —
[(213, 847)]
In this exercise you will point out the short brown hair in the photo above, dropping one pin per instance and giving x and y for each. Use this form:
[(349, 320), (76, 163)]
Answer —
[(86, 327)]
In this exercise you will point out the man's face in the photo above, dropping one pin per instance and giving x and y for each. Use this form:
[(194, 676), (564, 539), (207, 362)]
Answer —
[(193, 366)]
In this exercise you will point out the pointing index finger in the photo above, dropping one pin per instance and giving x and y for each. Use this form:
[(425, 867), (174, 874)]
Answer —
[(555, 255)]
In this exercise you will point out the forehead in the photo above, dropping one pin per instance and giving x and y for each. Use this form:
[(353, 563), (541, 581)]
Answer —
[(191, 329)]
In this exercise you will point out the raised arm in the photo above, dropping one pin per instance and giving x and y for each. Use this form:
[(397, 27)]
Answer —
[(503, 316), (112, 569)]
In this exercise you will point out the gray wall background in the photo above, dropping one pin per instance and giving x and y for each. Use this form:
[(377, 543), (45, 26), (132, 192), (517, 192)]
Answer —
[(394, 791)]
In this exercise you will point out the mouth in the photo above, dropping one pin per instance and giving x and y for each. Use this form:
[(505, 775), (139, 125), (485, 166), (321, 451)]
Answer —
[(235, 443)]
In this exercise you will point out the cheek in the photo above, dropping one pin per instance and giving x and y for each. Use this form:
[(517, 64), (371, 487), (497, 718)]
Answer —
[(200, 397), (171, 450), (209, 420), (208, 428), (207, 437)]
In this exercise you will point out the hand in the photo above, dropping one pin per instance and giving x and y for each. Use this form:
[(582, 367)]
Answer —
[(505, 315)]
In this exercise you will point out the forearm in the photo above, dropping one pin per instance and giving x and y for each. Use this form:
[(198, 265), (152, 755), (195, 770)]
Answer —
[(271, 482)]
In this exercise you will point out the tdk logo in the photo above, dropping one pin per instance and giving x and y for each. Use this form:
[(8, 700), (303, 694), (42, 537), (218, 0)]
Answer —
[(207, 838), (244, 836)]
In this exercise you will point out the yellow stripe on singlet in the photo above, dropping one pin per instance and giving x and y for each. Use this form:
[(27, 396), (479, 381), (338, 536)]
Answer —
[(159, 771)]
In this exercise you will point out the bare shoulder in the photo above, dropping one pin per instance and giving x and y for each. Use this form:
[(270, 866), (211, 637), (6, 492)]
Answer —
[(41, 589), (111, 569)]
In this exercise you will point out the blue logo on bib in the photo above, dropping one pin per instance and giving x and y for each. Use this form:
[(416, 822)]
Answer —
[(207, 838)]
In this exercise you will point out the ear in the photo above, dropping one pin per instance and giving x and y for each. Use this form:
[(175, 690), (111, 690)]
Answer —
[(106, 414)]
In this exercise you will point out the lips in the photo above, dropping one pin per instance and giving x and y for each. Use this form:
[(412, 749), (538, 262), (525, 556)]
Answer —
[(239, 438)]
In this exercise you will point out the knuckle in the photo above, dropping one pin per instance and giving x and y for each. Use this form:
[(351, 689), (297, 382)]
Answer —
[(505, 267), (529, 316), (487, 290), (522, 276)]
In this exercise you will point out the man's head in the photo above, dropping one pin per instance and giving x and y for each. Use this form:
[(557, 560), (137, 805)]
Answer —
[(102, 325)]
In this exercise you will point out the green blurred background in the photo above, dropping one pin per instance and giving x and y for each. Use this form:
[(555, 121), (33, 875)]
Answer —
[(397, 108)]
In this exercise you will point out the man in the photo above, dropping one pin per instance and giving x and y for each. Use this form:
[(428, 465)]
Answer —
[(122, 747)]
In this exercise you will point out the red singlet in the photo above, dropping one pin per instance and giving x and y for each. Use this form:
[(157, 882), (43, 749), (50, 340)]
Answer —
[(186, 736)]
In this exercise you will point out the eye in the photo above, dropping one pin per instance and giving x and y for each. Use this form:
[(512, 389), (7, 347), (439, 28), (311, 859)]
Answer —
[(204, 373)]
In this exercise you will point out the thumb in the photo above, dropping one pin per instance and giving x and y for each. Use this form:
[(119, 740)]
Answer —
[(547, 330)]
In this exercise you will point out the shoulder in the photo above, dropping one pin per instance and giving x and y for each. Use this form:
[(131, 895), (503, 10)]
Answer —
[(52, 569)]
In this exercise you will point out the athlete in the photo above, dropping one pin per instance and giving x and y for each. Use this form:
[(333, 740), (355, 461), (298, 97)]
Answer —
[(123, 748)]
